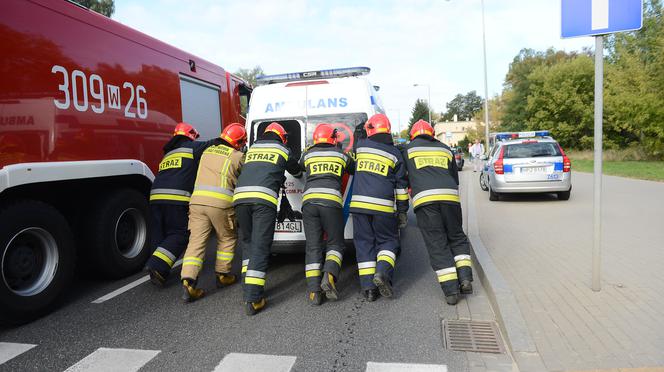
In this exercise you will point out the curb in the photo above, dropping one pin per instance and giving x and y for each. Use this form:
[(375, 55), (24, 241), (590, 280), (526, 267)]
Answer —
[(503, 301)]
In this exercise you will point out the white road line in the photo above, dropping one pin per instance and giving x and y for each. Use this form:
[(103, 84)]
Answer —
[(114, 360), (238, 362), (10, 350), (404, 367), (127, 287)]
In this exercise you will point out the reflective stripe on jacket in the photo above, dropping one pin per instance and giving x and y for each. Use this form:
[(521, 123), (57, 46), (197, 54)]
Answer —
[(324, 166), (218, 171), (174, 181)]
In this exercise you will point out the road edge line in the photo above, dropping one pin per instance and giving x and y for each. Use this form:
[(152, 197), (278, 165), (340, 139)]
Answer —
[(502, 299)]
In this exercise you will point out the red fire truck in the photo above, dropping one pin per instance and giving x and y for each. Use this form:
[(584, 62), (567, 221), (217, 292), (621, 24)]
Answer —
[(85, 106)]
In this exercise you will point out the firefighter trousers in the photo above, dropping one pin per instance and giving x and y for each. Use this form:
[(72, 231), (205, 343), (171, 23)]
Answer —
[(319, 220), (203, 219), (376, 239), (449, 251), (169, 235), (255, 233)]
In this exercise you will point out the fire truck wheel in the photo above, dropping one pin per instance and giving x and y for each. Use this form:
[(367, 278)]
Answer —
[(37, 259), (117, 234)]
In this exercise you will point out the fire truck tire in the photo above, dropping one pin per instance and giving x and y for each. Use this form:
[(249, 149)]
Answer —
[(117, 234), (37, 259)]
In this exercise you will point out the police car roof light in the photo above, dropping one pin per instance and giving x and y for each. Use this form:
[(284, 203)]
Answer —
[(309, 75)]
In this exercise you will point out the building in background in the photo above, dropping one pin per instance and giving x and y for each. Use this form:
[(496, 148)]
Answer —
[(452, 132)]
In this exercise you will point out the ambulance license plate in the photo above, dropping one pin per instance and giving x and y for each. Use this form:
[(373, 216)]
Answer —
[(288, 227)]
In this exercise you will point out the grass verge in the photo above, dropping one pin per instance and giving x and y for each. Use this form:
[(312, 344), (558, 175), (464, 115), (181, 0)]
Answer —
[(644, 170)]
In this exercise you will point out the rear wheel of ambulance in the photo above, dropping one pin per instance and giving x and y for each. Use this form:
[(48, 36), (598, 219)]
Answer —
[(36, 259)]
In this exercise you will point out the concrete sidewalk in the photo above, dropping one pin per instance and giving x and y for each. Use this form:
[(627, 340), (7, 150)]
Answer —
[(542, 247)]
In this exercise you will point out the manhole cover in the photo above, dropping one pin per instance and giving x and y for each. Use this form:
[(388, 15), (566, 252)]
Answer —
[(475, 336)]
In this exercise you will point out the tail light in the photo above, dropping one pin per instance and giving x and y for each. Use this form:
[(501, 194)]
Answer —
[(567, 164), (498, 165), (458, 156)]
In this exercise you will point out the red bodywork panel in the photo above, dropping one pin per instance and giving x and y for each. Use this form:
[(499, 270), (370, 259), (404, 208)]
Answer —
[(63, 68)]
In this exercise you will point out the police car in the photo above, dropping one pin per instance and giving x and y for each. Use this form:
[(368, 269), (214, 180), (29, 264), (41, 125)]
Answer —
[(528, 162), (299, 102)]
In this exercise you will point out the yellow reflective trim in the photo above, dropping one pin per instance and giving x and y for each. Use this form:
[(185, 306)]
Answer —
[(429, 153), (402, 197), (315, 195), (179, 155), (191, 263), (244, 269), (373, 207), (462, 263), (453, 198), (378, 158), (447, 277), (255, 194), (163, 257), (324, 158), (255, 281), (310, 273), (169, 197), (213, 194), (331, 257), (368, 271), (386, 258), (268, 149)]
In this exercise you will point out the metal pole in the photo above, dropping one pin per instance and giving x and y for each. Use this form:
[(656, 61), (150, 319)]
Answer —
[(597, 184), (429, 103), (486, 85)]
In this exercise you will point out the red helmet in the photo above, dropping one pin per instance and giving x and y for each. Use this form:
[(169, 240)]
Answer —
[(184, 129), (421, 127), (378, 123), (278, 129), (235, 135), (325, 133)]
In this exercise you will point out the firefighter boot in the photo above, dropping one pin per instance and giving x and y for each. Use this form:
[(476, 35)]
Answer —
[(383, 284), (189, 291), (371, 294), (315, 298), (156, 278), (466, 287), (329, 287), (253, 308), (224, 279), (452, 299)]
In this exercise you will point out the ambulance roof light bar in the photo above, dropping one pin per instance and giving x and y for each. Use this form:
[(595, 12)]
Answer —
[(310, 75), (517, 135)]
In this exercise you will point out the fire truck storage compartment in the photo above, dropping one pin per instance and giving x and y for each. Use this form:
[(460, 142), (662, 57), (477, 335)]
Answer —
[(292, 127), (200, 106)]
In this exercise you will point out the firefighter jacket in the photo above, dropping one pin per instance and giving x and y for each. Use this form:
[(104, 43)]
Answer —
[(324, 165), (432, 172), (263, 173), (177, 172), (217, 175), (380, 184)]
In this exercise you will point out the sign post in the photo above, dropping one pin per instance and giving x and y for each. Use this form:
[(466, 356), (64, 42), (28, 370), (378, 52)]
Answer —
[(598, 18)]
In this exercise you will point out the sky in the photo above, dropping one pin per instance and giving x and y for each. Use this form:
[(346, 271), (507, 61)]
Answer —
[(435, 43)]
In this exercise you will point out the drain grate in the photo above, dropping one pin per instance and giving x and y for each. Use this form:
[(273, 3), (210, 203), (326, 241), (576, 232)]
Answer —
[(475, 336)]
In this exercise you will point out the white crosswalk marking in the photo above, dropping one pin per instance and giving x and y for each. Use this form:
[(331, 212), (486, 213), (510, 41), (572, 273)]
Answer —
[(404, 367), (10, 350), (114, 360), (237, 362)]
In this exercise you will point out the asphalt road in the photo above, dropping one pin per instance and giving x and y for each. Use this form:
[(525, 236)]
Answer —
[(338, 336)]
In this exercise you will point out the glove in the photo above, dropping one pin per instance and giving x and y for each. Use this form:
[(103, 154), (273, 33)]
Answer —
[(403, 220)]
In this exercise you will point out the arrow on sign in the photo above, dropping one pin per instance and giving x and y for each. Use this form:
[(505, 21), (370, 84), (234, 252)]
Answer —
[(600, 14)]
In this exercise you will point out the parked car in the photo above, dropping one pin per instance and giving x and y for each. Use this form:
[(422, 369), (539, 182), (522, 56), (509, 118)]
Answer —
[(531, 162)]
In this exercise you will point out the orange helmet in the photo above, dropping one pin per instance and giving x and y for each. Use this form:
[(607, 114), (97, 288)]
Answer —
[(421, 127), (185, 129), (378, 123), (278, 129), (235, 135), (325, 133)]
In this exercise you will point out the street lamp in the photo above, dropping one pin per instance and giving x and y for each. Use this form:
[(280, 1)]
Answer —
[(428, 99)]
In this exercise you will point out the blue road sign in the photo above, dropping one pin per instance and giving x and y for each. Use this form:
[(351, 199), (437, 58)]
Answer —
[(599, 17)]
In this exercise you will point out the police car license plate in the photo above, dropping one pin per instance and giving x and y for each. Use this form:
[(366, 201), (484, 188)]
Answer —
[(288, 227), (533, 170)]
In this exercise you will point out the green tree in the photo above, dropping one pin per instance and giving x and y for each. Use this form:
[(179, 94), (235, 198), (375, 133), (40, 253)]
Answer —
[(249, 74), (420, 112), (105, 7), (465, 106)]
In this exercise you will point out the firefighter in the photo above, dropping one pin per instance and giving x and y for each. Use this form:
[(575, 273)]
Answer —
[(434, 180), (255, 202), (211, 207), (169, 200), (380, 185), (322, 211)]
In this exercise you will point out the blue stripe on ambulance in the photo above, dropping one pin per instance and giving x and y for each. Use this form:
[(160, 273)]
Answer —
[(347, 201)]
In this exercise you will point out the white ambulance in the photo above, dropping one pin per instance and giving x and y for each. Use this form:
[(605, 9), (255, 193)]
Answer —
[(299, 101)]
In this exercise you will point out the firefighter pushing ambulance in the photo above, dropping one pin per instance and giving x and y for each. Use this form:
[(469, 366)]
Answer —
[(434, 180), (322, 203), (211, 208), (380, 185)]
